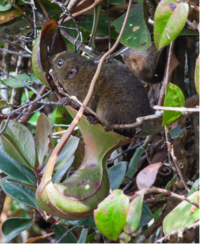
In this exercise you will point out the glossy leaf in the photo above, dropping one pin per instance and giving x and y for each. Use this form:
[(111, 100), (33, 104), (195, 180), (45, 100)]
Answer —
[(146, 215), (5, 5), (14, 169), (170, 18), (44, 141), (134, 162), (89, 221), (196, 75), (134, 214), (110, 216), (17, 141), (14, 226), (67, 151), (19, 192), (60, 230), (183, 215), (174, 97), (118, 170), (83, 236), (136, 34), (61, 171), (147, 176), (19, 80)]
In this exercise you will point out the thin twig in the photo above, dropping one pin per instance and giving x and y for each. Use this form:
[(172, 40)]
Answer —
[(43, 9), (181, 109), (84, 10), (166, 192), (166, 79), (177, 167), (16, 53), (66, 233)]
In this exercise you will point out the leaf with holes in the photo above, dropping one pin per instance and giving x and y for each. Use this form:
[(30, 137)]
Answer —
[(170, 18), (147, 176), (17, 141), (136, 34), (110, 216)]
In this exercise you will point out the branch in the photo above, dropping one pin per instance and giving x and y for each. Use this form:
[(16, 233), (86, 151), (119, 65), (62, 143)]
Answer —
[(181, 109)]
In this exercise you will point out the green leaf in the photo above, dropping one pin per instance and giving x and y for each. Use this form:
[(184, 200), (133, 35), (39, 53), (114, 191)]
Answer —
[(136, 34), (61, 230), (176, 132), (170, 18), (119, 169), (33, 120), (134, 163), (14, 169), (5, 5), (61, 171), (134, 214), (110, 216), (174, 97), (89, 221), (44, 142), (90, 238), (83, 236), (62, 116), (14, 226), (195, 187), (17, 141), (3, 104), (146, 215), (19, 80), (19, 192), (67, 151), (183, 215)]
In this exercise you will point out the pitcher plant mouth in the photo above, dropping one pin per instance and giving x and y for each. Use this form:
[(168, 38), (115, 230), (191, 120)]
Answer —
[(77, 196)]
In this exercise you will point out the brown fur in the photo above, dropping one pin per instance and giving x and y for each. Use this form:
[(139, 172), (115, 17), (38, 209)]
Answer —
[(119, 97)]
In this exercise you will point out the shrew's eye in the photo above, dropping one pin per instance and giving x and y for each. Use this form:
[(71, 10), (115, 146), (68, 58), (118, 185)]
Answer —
[(60, 63)]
